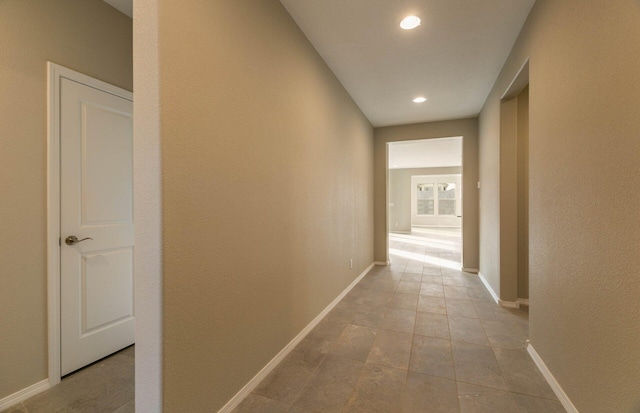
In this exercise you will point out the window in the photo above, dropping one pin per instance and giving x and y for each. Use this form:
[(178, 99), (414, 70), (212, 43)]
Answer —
[(440, 203), (426, 201), (447, 199)]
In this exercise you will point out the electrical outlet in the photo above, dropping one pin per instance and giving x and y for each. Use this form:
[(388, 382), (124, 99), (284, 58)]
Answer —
[(351, 263)]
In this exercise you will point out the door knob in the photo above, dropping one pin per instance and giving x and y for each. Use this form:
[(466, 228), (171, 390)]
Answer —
[(73, 240)]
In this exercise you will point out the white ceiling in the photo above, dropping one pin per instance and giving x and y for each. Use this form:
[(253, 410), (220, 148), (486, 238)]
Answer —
[(453, 58), (125, 6), (428, 153)]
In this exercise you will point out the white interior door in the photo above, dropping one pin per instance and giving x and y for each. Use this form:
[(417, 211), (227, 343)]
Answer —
[(96, 202)]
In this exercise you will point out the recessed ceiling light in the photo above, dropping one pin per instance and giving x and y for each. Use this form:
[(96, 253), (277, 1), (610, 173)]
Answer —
[(420, 99), (410, 22)]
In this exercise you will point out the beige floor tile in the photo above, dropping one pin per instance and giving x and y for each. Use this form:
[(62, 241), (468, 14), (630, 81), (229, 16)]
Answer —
[(260, 404), (529, 404), (432, 279), (479, 292), (409, 287), (101, 387), (477, 365), (286, 381), (128, 407), (414, 268), (521, 374), (432, 290), (384, 285), (367, 315), (296, 409), (360, 295), (404, 301), (471, 279), (391, 349), (399, 320), (454, 281), (432, 325), (461, 307), (384, 275), (379, 390), (331, 386), (456, 292), (479, 399), (354, 343), (431, 270), (491, 311), (468, 330), (429, 394), (322, 337), (429, 304), (504, 334), (412, 277), (432, 356)]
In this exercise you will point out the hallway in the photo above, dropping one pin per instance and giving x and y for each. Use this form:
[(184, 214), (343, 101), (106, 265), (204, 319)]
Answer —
[(416, 336)]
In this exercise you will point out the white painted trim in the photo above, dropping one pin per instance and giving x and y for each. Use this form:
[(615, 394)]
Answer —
[(253, 383), (553, 383), (509, 304), (471, 270), (55, 74), (523, 301), (501, 303), (400, 232), (24, 394), (489, 288), (382, 263)]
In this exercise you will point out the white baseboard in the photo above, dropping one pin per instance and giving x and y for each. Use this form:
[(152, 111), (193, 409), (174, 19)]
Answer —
[(553, 383), (253, 383), (399, 232), (489, 288), (471, 270), (501, 303), (382, 263), (523, 301), (24, 394), (509, 304)]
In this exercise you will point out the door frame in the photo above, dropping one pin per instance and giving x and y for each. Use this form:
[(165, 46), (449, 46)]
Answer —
[(55, 74)]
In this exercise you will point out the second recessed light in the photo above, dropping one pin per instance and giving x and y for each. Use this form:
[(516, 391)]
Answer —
[(420, 99), (410, 22)]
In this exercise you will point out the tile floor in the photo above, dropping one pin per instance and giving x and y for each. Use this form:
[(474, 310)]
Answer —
[(106, 386), (416, 336)]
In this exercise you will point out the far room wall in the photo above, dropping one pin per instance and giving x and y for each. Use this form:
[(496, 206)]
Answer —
[(400, 193)]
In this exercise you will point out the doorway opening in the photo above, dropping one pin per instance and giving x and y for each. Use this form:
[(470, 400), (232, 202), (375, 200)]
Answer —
[(90, 235), (425, 202), (514, 190)]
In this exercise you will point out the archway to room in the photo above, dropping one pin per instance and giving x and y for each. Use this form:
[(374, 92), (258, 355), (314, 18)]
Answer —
[(424, 207)]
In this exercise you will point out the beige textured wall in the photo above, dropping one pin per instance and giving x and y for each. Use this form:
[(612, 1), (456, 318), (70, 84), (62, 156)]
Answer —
[(584, 157), (267, 192), (400, 193), (85, 35), (468, 129)]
